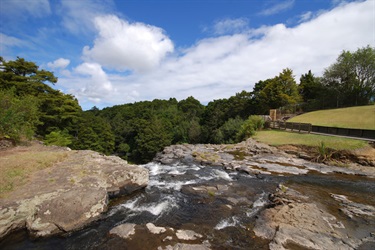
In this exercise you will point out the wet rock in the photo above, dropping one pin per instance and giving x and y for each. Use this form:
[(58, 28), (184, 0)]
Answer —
[(154, 229), (351, 208), (303, 224), (187, 235), (183, 246), (124, 230)]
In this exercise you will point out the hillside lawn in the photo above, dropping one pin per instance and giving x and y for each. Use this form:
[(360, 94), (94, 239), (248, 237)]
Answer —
[(362, 117), (277, 138)]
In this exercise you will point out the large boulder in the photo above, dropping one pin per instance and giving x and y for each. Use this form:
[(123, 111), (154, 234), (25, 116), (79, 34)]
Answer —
[(70, 194)]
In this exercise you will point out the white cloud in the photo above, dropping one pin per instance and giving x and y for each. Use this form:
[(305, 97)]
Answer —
[(19, 9), (128, 46), (305, 16), (60, 63), (229, 26), (221, 66), (78, 16), (95, 85), (279, 7)]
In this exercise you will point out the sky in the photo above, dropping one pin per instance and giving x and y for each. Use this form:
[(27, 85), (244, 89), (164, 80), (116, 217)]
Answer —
[(110, 52)]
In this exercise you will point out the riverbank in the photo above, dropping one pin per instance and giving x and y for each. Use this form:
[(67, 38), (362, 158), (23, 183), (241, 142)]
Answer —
[(64, 193), (254, 157)]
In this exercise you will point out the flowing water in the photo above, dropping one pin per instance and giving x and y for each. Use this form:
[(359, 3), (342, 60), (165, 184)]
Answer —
[(220, 205)]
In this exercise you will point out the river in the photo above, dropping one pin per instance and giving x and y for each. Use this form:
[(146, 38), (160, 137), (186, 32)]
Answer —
[(221, 206)]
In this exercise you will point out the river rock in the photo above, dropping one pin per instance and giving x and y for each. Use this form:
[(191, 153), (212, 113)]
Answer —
[(154, 229), (351, 208), (70, 194), (183, 246), (53, 216), (187, 235), (298, 222), (124, 230)]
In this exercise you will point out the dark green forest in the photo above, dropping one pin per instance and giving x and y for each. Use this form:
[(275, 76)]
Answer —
[(30, 107)]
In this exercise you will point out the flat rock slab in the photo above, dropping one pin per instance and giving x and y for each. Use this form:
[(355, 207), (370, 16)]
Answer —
[(124, 230), (70, 194), (154, 229), (298, 222), (158, 237), (187, 235)]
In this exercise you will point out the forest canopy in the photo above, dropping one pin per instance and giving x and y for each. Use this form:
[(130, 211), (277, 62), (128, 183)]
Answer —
[(31, 107)]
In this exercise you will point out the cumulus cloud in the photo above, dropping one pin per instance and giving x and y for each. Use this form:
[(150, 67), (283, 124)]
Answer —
[(60, 63), (128, 46), (279, 7), (218, 67), (95, 84)]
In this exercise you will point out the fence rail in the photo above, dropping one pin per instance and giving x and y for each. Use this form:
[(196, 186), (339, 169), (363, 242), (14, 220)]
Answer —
[(307, 127)]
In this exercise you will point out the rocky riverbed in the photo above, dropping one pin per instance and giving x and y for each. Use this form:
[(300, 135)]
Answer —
[(242, 196), (257, 158)]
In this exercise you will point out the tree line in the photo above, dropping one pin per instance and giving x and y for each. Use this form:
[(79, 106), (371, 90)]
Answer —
[(30, 106)]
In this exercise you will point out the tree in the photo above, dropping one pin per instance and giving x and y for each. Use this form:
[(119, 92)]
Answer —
[(152, 139), (313, 92), (277, 92), (25, 77), (351, 79), (57, 111), (95, 133), (18, 115)]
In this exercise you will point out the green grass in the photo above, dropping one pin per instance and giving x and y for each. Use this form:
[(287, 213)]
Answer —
[(276, 138), (362, 117)]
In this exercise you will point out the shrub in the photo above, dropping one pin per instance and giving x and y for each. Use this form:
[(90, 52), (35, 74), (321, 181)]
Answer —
[(249, 127), (58, 138)]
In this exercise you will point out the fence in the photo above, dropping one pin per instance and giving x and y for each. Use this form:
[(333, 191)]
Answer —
[(307, 127)]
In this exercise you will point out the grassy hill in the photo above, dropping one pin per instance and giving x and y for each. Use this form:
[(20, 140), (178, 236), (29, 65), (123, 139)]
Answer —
[(277, 137), (354, 117)]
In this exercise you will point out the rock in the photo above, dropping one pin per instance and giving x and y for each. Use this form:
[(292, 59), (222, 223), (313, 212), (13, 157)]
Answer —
[(303, 224), (187, 235), (154, 229), (183, 246), (68, 211), (124, 230), (78, 193), (351, 208)]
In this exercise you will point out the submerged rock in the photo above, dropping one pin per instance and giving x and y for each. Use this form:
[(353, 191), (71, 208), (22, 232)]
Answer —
[(187, 235), (124, 230), (70, 194), (184, 246), (154, 229)]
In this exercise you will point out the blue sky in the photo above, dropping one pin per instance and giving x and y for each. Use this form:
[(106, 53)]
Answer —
[(111, 52)]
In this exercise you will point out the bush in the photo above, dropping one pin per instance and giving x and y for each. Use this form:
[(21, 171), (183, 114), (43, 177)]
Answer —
[(230, 129), (58, 138), (249, 127)]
